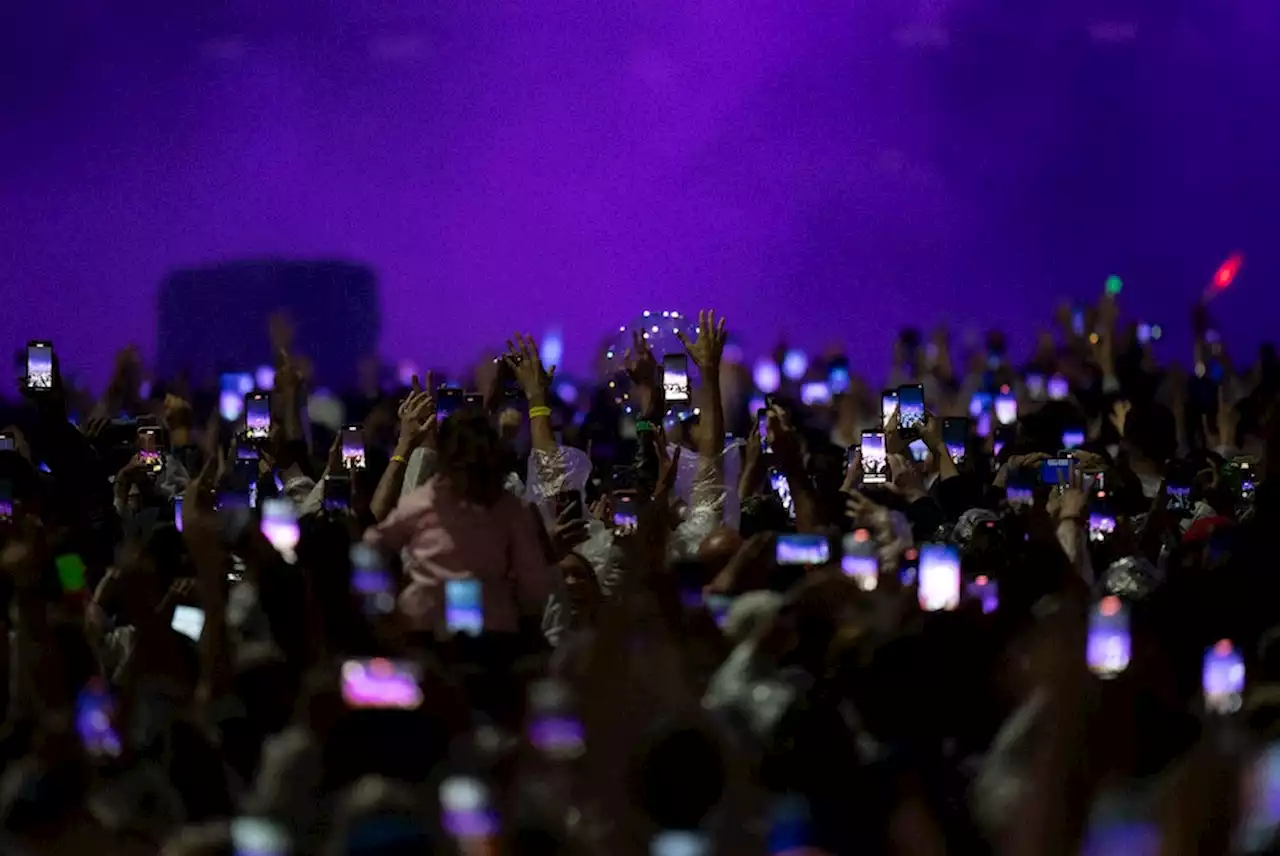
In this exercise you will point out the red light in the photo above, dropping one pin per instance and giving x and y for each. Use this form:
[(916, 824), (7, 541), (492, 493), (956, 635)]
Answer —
[(1222, 648), (1109, 606), (981, 580), (861, 535), (1226, 272)]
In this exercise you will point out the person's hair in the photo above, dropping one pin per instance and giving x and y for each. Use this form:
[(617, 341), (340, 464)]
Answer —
[(471, 456)]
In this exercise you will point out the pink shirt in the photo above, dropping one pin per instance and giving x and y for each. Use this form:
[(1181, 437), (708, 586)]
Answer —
[(444, 537)]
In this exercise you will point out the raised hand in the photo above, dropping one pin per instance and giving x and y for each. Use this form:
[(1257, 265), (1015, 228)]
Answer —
[(1119, 413), (568, 534), (639, 363), (707, 350), (417, 417), (522, 357)]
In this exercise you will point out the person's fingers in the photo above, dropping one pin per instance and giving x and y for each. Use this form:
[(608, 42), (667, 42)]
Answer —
[(720, 329), (415, 387), (551, 373)]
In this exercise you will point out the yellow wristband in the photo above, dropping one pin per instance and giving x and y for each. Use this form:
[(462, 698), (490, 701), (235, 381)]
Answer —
[(401, 459), (535, 412)]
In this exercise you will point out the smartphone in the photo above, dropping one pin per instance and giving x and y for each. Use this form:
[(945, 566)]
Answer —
[(257, 415), (337, 493), (679, 842), (1072, 438), (466, 810), (353, 447), (675, 377), (838, 375), (463, 607), (149, 449), (939, 577), (1239, 476), (553, 726), (815, 392), (624, 509), (280, 526), (802, 548), (778, 482), (189, 621), (984, 591), (1223, 678), (177, 512), (762, 417), (473, 400), (909, 567), (1177, 488), (1108, 646), (6, 500), (1260, 801), (232, 388), (1077, 320), (910, 409), (371, 582), (71, 572), (1006, 407), (1034, 382), (859, 561), (1102, 525), (378, 682), (1057, 388), (7, 442), (1019, 491), (259, 836), (448, 400), (888, 404), (875, 461), (919, 451), (1056, 471), (955, 436), (568, 505), (95, 709), (39, 367)]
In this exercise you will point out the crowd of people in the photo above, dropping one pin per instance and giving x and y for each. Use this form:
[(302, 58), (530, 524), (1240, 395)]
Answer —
[(996, 606)]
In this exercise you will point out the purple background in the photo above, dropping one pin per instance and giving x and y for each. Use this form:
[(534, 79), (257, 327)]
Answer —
[(828, 171)]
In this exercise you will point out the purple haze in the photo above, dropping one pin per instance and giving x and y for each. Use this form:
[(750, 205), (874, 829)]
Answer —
[(826, 171)]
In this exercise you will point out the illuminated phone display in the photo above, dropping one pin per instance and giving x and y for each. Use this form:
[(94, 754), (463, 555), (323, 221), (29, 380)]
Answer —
[(1108, 646), (464, 607), (795, 548), (381, 683), (1223, 678), (257, 416), (39, 366), (939, 577), (875, 461), (353, 447), (675, 377), (860, 562)]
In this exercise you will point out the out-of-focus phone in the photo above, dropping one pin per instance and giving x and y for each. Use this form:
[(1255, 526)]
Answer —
[(149, 450), (860, 562), (568, 505), (980, 412), (473, 399), (955, 436), (1056, 472), (1102, 524), (762, 418), (675, 377), (1057, 388), (1238, 474), (1006, 406), (679, 842), (984, 591), (381, 683), (1223, 678), (1108, 646), (71, 573), (802, 548), (888, 404), (1019, 491), (939, 577), (782, 488), (177, 512), (259, 836), (466, 809), (39, 367), (280, 526), (464, 607), (553, 726), (919, 451), (1072, 438), (910, 410), (719, 605), (371, 582), (95, 709), (448, 400), (7, 442), (257, 415), (624, 509), (1177, 488), (875, 460), (189, 621), (337, 493), (6, 500), (815, 392), (353, 447), (1034, 382), (838, 375), (909, 567)]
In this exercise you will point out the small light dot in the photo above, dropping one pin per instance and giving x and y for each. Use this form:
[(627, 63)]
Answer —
[(655, 328), (646, 313), (612, 384), (608, 354), (646, 335)]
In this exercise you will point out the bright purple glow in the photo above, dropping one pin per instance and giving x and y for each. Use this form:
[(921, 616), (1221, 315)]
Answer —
[(823, 176), (766, 375)]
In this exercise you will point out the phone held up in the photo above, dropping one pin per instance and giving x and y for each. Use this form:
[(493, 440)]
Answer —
[(39, 374)]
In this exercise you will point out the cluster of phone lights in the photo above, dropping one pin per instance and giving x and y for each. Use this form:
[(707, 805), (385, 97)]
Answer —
[(659, 329)]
